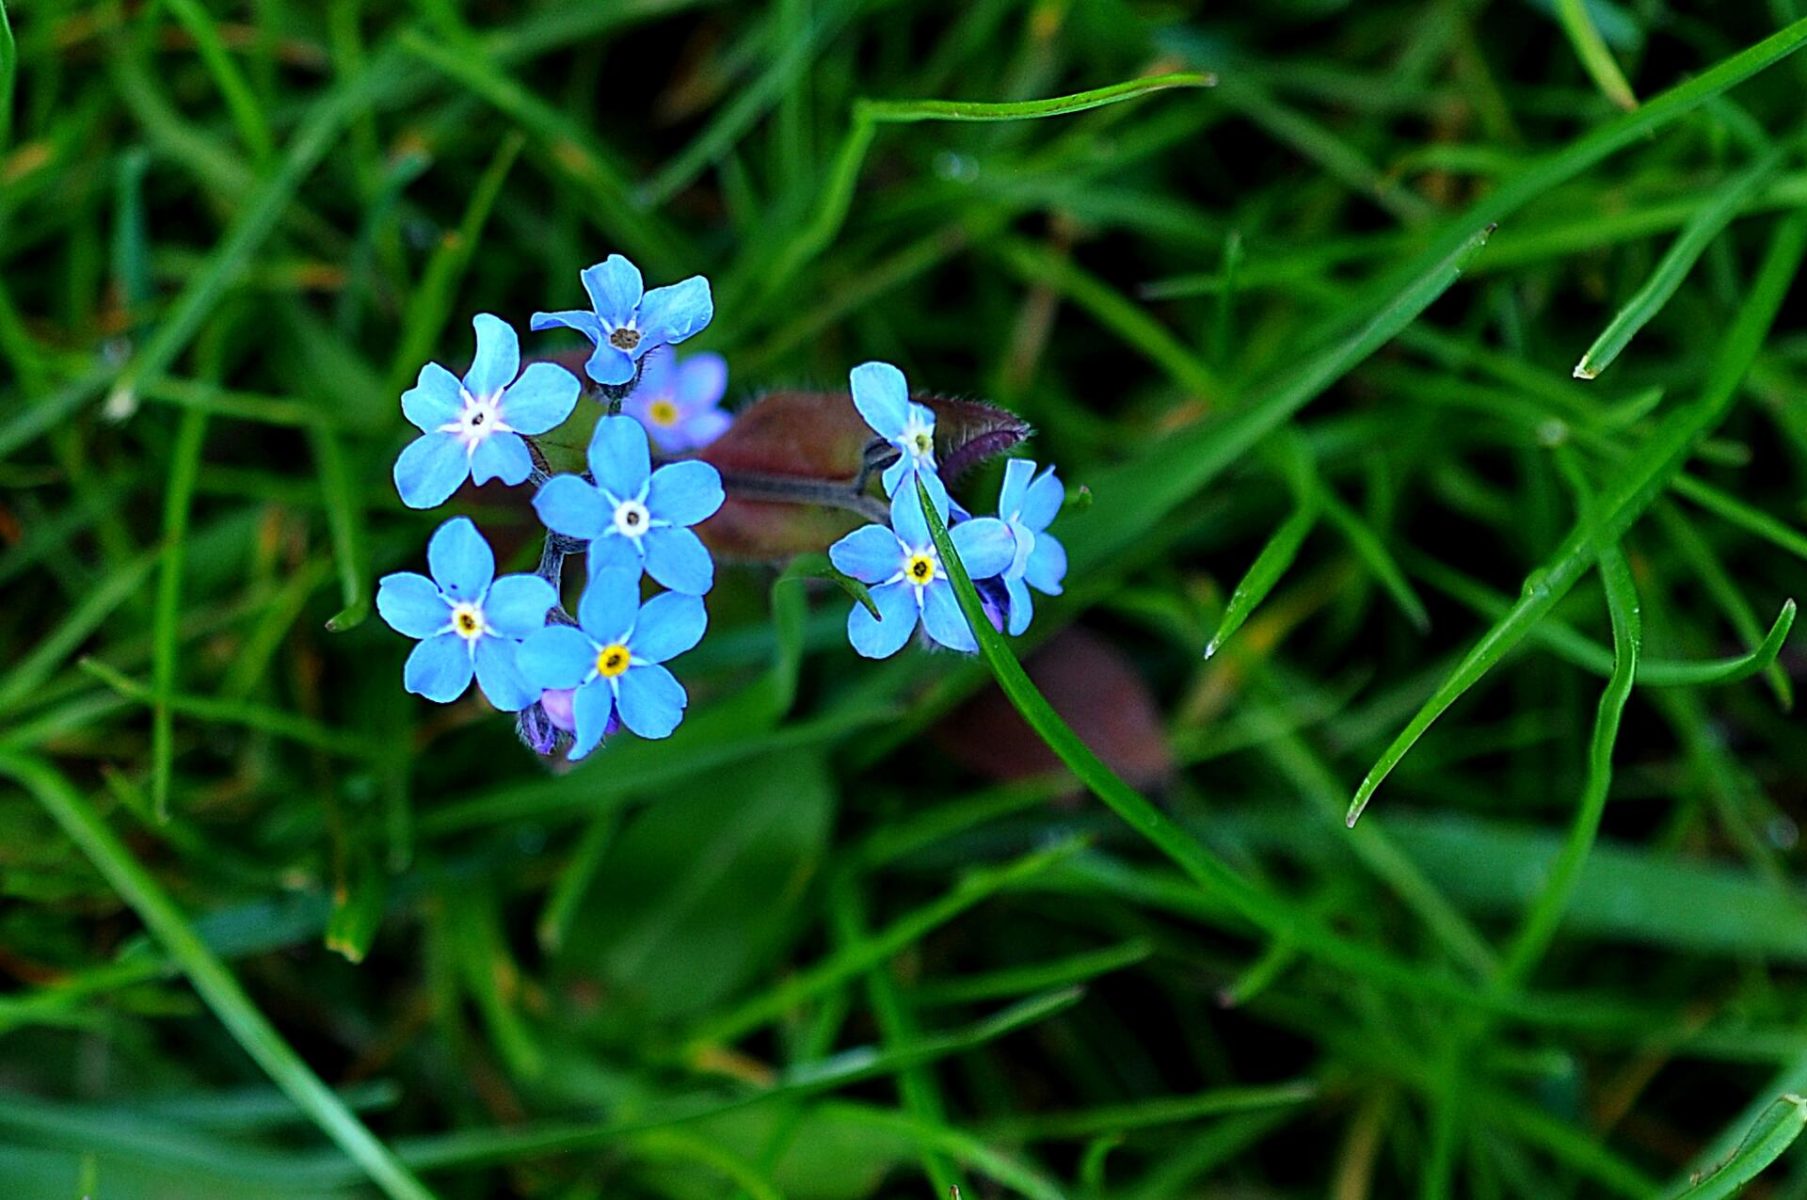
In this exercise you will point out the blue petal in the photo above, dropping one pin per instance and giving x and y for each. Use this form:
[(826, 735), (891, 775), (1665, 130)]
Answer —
[(882, 638), (676, 558), (685, 492), (568, 505), (1047, 565), (871, 554), (517, 604), (985, 546), (615, 288), (557, 656), (899, 478), (430, 469), (699, 430), (498, 358), (1025, 546), (614, 552), (460, 560), (541, 398), (571, 318), (619, 457), (658, 379), (1043, 502), (906, 514), (412, 605), (1022, 606), (942, 618), (439, 668), (433, 400), (593, 705), (652, 701), (609, 606), (608, 365), (501, 456), (702, 381), (1017, 474), (882, 396), (668, 315), (669, 624), (499, 678)]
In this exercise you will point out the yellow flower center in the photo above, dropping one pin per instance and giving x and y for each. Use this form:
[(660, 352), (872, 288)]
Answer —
[(662, 412), (467, 621), (624, 338), (612, 661), (920, 570)]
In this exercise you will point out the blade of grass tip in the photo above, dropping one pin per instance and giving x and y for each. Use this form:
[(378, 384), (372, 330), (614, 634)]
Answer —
[(9, 68), (345, 521), (247, 114), (1704, 564), (1371, 548), (1736, 512), (962, 1146), (1707, 223), (184, 469), (431, 304), (1591, 49), (868, 114), (215, 984), (1645, 475), (1545, 913), (1265, 572), (1774, 1132)]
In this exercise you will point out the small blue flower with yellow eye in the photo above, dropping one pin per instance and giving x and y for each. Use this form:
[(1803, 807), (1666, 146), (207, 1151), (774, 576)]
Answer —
[(1027, 504), (614, 658), (633, 516), (469, 622), (907, 580), (625, 320), (678, 400), (883, 398), (471, 428)]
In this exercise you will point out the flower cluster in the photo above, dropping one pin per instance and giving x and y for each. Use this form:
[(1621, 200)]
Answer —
[(572, 680), (633, 511)]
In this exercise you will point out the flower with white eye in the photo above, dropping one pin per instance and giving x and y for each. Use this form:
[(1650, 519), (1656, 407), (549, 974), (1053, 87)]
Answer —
[(625, 321), (679, 401), (883, 398), (471, 428), (633, 516)]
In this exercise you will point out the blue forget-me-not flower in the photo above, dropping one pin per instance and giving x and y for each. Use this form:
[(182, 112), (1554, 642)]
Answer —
[(613, 658), (678, 400), (633, 516), (907, 580), (883, 398), (1027, 503), (469, 622), (625, 320), (471, 428)]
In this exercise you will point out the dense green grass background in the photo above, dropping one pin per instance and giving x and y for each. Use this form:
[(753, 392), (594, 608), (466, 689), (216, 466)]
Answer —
[(843, 936)]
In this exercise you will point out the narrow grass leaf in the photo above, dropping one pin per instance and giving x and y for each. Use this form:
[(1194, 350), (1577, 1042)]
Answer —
[(1773, 1133), (1592, 50), (185, 467), (1264, 573), (1723, 204)]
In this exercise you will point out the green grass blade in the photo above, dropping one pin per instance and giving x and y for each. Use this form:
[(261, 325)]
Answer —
[(1591, 49), (345, 521), (1264, 573), (216, 985), (247, 113), (1645, 475), (1725, 203), (1773, 1133), (35, 667), (191, 436), (892, 111), (1539, 925), (9, 70)]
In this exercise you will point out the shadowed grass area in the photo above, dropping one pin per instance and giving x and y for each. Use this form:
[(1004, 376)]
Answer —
[(1439, 368)]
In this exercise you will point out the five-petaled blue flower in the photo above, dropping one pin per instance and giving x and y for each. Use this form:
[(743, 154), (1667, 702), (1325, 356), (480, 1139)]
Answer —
[(613, 656), (1027, 503), (633, 516), (907, 580), (626, 321), (471, 429), (679, 401), (883, 398), (469, 621)]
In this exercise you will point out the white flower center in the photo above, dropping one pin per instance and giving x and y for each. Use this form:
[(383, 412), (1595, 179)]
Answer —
[(468, 622), (918, 440), (480, 417), (632, 519)]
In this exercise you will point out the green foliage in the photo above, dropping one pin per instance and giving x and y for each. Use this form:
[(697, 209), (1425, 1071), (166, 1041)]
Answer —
[(1294, 292)]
